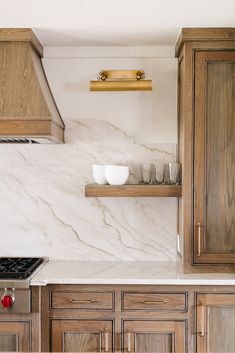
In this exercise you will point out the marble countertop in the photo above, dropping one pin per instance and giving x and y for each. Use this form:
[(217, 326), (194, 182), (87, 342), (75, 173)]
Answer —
[(130, 272)]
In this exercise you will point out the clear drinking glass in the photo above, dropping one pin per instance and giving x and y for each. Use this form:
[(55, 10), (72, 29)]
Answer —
[(159, 173), (146, 173), (174, 172)]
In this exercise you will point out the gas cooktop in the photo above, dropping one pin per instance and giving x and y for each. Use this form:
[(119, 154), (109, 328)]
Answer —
[(18, 267)]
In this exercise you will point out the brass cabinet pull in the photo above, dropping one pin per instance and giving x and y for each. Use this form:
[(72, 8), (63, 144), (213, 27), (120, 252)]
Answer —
[(199, 239), (106, 340), (128, 342), (85, 301), (154, 302), (202, 323)]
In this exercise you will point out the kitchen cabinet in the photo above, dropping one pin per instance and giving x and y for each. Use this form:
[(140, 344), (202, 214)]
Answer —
[(138, 318), (82, 336), (154, 336), (14, 336), (21, 332), (207, 148), (107, 318), (215, 323)]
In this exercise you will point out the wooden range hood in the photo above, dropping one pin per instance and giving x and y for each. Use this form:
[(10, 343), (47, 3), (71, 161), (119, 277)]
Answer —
[(28, 112)]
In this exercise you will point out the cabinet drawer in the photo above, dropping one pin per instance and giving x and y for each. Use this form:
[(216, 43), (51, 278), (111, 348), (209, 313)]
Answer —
[(154, 301), (82, 300)]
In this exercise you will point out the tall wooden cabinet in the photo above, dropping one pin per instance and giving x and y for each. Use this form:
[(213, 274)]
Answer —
[(207, 148)]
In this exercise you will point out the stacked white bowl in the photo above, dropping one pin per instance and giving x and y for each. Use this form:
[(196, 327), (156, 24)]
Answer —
[(110, 174)]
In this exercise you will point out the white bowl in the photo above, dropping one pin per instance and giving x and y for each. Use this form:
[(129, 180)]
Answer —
[(116, 174), (98, 174)]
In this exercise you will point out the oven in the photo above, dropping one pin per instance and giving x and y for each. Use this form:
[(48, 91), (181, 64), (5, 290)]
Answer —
[(15, 276)]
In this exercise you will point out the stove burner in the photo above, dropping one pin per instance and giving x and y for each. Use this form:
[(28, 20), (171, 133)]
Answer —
[(18, 267)]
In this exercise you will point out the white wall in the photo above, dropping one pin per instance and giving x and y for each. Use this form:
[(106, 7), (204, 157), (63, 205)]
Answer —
[(151, 116), (43, 211)]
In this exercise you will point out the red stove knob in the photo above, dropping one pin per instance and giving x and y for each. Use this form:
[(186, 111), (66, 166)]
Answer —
[(7, 301)]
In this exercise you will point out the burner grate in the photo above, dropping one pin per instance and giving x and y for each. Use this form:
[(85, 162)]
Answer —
[(18, 267)]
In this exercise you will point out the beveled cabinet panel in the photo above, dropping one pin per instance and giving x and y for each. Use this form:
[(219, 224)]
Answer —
[(215, 323), (214, 164), (14, 336), (82, 336), (85, 300), (154, 301), (154, 336)]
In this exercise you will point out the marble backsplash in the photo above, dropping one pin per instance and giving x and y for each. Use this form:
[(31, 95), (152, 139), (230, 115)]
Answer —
[(43, 211)]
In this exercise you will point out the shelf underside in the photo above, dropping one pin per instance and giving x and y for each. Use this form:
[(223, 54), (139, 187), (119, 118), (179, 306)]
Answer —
[(94, 190)]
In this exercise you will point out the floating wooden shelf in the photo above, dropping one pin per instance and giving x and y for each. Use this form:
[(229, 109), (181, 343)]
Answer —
[(94, 190)]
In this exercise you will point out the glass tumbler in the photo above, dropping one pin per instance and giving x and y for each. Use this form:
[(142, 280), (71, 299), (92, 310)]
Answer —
[(174, 172), (159, 173), (146, 173)]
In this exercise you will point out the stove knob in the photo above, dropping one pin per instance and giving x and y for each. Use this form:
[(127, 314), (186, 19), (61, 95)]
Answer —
[(7, 301)]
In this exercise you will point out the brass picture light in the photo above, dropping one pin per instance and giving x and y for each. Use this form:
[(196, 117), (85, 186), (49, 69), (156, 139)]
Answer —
[(121, 80)]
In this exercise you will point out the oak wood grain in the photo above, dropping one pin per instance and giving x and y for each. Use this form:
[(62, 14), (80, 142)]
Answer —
[(155, 301), (27, 106), (204, 34), (215, 156), (216, 317), (166, 336), (83, 300), (94, 190), (14, 335), (21, 35), (81, 335), (192, 42)]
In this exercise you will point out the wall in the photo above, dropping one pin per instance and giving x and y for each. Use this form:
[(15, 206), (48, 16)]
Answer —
[(43, 211)]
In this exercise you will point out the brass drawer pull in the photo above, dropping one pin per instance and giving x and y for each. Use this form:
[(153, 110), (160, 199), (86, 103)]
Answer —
[(106, 339), (85, 301), (154, 302), (202, 330), (128, 342), (199, 239)]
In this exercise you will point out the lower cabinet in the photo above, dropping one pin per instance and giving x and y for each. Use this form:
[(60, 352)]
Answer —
[(132, 319), (14, 336), (154, 336), (82, 336), (215, 323), (138, 336)]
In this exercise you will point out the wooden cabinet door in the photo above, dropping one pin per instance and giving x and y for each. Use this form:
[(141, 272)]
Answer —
[(14, 336), (215, 323), (154, 336), (214, 158), (82, 336)]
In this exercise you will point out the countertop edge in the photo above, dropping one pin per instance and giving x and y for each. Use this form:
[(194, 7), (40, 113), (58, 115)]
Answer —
[(189, 282)]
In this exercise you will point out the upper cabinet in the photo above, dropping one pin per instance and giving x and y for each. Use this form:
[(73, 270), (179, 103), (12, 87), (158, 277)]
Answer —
[(207, 147)]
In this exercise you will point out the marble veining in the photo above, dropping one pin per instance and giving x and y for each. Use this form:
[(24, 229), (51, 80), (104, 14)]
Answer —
[(43, 211)]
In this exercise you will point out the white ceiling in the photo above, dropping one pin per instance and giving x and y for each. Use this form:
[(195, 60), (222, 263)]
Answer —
[(114, 22)]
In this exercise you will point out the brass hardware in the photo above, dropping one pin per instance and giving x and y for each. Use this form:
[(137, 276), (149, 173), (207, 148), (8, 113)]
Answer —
[(82, 301), (154, 301), (106, 339), (121, 80), (103, 75), (199, 239), (202, 331), (128, 342), (140, 75)]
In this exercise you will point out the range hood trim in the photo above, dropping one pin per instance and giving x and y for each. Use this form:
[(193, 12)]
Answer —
[(33, 113), (21, 35)]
